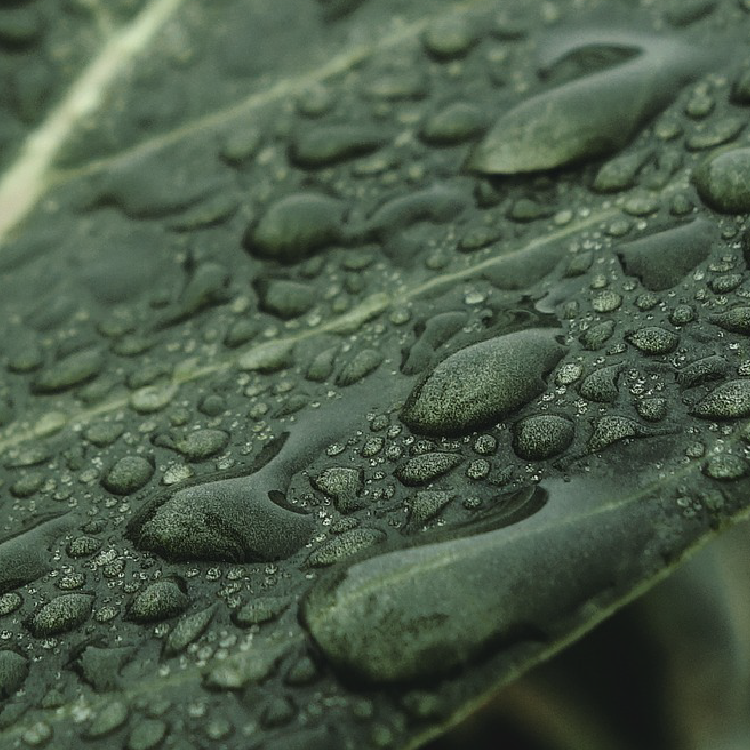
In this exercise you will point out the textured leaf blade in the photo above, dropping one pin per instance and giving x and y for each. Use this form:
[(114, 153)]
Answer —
[(237, 338)]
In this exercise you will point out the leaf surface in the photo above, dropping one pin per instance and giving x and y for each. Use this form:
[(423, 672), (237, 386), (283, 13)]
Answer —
[(314, 428)]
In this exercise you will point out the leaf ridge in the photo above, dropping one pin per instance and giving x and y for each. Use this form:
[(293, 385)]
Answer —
[(369, 308), (27, 179)]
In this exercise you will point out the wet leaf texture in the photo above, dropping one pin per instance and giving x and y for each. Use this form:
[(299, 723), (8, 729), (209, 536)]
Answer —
[(356, 356)]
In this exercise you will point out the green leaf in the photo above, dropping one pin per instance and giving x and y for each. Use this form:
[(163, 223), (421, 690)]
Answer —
[(315, 429)]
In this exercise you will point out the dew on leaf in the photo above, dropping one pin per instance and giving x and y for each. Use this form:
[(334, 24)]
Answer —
[(542, 436), (653, 340), (727, 401), (662, 260), (159, 601), (483, 382), (68, 372), (327, 145), (220, 520), (259, 610), (722, 181), (344, 545), (25, 557), (187, 629), (128, 475), (344, 485), (424, 468), (295, 227), (64, 613), (447, 603), (588, 117)]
